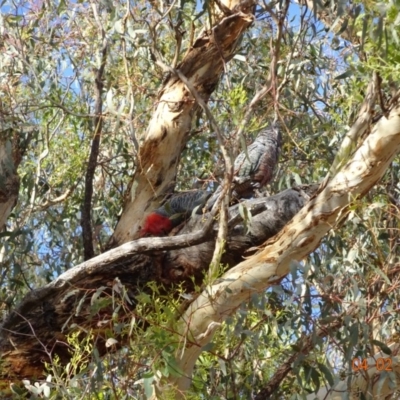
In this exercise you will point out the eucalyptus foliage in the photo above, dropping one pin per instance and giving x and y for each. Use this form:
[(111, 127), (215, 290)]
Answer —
[(49, 54)]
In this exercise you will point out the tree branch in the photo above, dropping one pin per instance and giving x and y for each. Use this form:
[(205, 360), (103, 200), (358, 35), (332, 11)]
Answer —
[(300, 237), (349, 142), (52, 311), (169, 128), (305, 344), (86, 221), (228, 175), (338, 24)]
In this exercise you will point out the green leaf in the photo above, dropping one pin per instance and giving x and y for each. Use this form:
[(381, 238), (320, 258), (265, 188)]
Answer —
[(384, 347), (344, 75), (327, 373), (354, 334), (148, 385)]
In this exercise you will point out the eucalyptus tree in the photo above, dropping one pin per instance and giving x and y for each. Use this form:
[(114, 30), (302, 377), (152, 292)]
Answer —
[(107, 108)]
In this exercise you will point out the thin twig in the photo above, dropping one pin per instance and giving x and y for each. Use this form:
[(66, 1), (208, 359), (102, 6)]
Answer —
[(305, 344)]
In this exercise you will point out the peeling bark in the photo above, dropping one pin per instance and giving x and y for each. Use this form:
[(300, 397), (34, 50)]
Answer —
[(170, 125), (10, 157), (37, 328), (298, 239)]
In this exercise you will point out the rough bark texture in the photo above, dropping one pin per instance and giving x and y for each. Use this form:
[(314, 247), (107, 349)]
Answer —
[(38, 327), (170, 125), (10, 157), (86, 220), (298, 239)]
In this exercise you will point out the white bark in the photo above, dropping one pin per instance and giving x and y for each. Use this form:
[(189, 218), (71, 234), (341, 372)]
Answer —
[(5, 210), (170, 125), (9, 181), (298, 239)]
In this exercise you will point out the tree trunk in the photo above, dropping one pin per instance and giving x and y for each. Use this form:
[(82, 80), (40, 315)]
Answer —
[(171, 123), (298, 239), (36, 330), (10, 157)]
